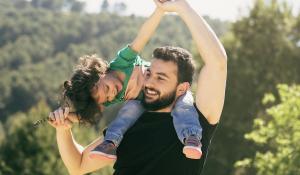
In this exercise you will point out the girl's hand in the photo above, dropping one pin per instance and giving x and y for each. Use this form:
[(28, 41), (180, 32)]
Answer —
[(171, 5)]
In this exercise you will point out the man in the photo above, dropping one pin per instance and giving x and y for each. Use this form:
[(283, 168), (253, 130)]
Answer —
[(160, 151)]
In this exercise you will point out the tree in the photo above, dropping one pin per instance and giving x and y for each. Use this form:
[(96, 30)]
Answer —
[(74, 5), (105, 6), (28, 150), (119, 8), (277, 134), (77, 6), (2, 133), (263, 52), (53, 5), (20, 4)]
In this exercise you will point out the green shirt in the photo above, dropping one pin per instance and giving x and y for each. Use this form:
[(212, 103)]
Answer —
[(125, 62)]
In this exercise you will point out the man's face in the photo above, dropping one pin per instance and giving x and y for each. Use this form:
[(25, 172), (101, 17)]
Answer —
[(160, 85), (106, 89)]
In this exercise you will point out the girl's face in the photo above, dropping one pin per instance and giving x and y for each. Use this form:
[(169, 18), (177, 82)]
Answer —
[(106, 89)]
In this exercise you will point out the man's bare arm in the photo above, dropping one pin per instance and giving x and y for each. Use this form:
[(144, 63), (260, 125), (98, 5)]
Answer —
[(211, 83), (74, 156)]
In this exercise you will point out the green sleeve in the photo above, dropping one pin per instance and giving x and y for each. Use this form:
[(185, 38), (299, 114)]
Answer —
[(125, 57)]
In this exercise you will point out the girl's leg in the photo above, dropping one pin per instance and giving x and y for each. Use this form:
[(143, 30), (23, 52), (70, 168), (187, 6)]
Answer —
[(126, 117), (187, 125)]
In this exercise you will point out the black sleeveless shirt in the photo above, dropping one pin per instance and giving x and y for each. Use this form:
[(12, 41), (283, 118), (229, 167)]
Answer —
[(151, 147)]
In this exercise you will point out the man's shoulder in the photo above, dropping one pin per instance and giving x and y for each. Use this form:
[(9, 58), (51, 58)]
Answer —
[(205, 124), (204, 118)]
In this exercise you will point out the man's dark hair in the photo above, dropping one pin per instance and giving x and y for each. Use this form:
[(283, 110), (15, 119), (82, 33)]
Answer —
[(78, 89), (181, 57)]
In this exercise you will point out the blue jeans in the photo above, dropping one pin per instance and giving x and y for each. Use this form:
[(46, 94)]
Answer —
[(185, 119)]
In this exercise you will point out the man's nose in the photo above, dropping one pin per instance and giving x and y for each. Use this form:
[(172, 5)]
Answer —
[(149, 83)]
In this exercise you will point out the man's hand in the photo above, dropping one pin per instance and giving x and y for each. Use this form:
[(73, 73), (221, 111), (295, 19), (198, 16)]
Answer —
[(61, 119), (172, 5)]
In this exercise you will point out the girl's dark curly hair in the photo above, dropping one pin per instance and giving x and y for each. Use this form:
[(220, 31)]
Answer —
[(77, 90)]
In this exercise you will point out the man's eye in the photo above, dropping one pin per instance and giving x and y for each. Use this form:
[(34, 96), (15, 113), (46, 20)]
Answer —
[(106, 88), (160, 78)]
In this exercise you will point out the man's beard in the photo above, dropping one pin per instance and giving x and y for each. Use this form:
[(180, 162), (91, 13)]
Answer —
[(161, 102)]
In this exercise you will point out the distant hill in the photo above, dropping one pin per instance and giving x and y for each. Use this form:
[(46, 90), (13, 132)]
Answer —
[(40, 46)]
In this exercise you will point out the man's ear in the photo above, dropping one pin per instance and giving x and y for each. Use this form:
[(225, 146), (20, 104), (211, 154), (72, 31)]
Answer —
[(182, 88)]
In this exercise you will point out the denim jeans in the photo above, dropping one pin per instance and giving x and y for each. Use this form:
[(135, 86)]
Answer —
[(185, 119), (126, 117)]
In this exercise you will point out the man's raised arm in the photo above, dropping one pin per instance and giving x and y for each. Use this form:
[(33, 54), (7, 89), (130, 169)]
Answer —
[(211, 83)]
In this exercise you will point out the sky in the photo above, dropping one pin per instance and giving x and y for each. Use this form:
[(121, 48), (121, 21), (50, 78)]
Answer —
[(222, 9)]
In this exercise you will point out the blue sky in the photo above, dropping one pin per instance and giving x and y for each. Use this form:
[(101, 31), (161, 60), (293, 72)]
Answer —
[(222, 9)]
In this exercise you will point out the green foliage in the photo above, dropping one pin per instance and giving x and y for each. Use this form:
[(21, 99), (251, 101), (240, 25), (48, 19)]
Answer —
[(54, 5), (262, 52), (58, 5), (29, 150), (39, 48), (104, 6), (2, 133), (278, 135)]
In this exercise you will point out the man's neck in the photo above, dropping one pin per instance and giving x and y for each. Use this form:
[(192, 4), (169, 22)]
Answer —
[(162, 110), (166, 109)]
